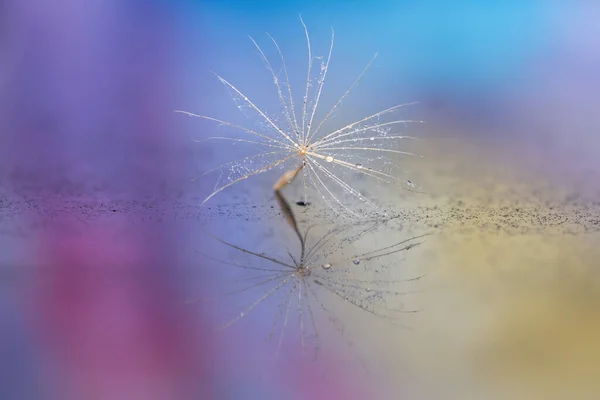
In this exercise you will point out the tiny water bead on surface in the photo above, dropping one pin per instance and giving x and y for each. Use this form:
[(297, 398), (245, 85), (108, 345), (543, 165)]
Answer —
[(359, 166), (356, 262), (326, 266), (329, 159)]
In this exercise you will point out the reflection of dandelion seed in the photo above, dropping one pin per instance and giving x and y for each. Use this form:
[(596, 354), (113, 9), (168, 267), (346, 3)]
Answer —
[(325, 276), (368, 146)]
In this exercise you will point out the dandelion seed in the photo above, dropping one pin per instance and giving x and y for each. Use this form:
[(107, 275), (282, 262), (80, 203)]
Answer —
[(296, 136)]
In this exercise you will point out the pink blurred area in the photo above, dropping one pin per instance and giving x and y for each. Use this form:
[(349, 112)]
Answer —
[(106, 320)]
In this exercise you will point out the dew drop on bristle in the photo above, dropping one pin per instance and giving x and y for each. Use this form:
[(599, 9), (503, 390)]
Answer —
[(329, 159), (356, 262), (359, 166), (326, 266)]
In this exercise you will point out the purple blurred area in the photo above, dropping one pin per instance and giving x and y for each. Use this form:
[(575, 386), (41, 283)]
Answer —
[(91, 296), (89, 101)]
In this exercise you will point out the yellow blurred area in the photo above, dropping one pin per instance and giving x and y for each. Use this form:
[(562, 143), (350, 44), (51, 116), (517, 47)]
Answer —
[(511, 299)]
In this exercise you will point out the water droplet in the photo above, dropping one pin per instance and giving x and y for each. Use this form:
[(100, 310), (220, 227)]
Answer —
[(371, 138), (329, 159), (409, 183), (368, 289), (326, 266), (356, 262), (359, 166)]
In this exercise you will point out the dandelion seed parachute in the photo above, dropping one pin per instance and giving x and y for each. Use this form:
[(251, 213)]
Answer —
[(369, 146)]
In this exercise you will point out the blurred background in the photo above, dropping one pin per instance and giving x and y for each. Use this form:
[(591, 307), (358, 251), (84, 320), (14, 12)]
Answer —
[(100, 221)]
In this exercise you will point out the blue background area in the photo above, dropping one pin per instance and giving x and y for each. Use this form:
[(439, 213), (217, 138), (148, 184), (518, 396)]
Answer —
[(458, 45)]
